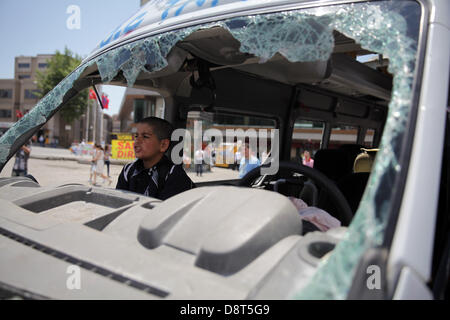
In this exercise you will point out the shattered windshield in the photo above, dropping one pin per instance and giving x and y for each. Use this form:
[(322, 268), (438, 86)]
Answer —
[(306, 35)]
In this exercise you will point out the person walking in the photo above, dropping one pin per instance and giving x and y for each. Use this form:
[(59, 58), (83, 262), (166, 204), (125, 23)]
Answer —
[(198, 161), (93, 164), (100, 160), (237, 159), (106, 157), (20, 167), (41, 140)]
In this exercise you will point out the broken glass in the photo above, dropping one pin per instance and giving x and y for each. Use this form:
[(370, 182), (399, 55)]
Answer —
[(300, 36), (379, 28), (40, 114)]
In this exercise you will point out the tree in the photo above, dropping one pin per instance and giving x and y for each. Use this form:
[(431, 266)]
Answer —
[(59, 66)]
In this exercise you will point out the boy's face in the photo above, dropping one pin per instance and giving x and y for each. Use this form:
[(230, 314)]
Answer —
[(147, 146)]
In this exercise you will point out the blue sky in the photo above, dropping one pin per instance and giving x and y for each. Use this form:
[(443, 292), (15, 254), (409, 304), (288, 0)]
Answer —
[(31, 27)]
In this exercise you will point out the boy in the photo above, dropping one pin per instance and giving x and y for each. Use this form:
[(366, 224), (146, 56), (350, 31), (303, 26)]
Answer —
[(153, 174)]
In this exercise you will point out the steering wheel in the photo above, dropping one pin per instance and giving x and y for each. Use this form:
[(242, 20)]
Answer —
[(343, 209)]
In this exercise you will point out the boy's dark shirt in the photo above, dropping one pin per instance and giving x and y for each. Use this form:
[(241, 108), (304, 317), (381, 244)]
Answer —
[(173, 179)]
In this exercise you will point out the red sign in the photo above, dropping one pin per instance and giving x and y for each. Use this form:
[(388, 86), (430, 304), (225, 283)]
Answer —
[(105, 101), (92, 95)]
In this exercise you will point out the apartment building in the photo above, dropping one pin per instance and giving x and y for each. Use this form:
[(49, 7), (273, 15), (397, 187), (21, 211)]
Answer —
[(18, 95), (137, 104), (7, 101), (25, 71)]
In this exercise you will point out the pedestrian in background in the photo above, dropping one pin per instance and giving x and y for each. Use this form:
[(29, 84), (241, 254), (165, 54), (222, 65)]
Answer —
[(248, 162), (41, 140), (307, 161), (198, 161), (93, 164), (106, 157), (99, 163), (186, 160), (237, 159), (20, 167)]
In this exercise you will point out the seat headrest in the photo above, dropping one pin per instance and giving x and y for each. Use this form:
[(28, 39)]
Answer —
[(364, 161)]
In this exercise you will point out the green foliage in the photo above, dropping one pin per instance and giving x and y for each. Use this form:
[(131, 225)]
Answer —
[(61, 65)]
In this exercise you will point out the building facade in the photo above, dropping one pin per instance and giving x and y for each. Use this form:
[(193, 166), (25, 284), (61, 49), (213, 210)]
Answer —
[(19, 95), (8, 92), (94, 126), (138, 104)]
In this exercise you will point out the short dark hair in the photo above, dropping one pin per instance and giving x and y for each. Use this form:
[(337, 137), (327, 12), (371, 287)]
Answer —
[(161, 128)]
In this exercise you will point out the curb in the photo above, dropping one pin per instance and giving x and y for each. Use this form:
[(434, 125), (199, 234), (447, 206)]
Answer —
[(74, 158)]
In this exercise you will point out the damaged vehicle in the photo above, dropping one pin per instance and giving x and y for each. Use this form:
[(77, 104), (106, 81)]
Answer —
[(330, 77)]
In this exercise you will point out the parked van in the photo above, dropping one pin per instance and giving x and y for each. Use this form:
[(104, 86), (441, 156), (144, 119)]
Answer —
[(329, 77)]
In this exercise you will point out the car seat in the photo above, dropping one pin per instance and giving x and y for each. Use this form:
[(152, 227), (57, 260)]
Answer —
[(353, 185), (351, 151), (332, 162), (364, 161)]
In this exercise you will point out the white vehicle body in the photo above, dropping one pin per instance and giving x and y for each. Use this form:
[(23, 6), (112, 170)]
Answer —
[(197, 245), (422, 188)]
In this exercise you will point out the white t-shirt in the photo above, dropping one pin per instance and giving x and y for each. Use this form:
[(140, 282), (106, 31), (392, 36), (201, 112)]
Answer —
[(198, 156)]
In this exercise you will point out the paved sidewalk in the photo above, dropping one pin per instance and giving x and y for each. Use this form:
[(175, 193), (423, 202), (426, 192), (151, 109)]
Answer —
[(46, 153), (55, 166)]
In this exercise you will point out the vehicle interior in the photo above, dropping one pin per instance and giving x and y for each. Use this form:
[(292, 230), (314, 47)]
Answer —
[(239, 240), (333, 108)]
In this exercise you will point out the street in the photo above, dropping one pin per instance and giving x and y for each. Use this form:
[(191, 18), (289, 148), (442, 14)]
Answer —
[(51, 172)]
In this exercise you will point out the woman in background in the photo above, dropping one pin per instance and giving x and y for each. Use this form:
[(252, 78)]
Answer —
[(307, 161), (106, 157), (93, 164), (100, 160)]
